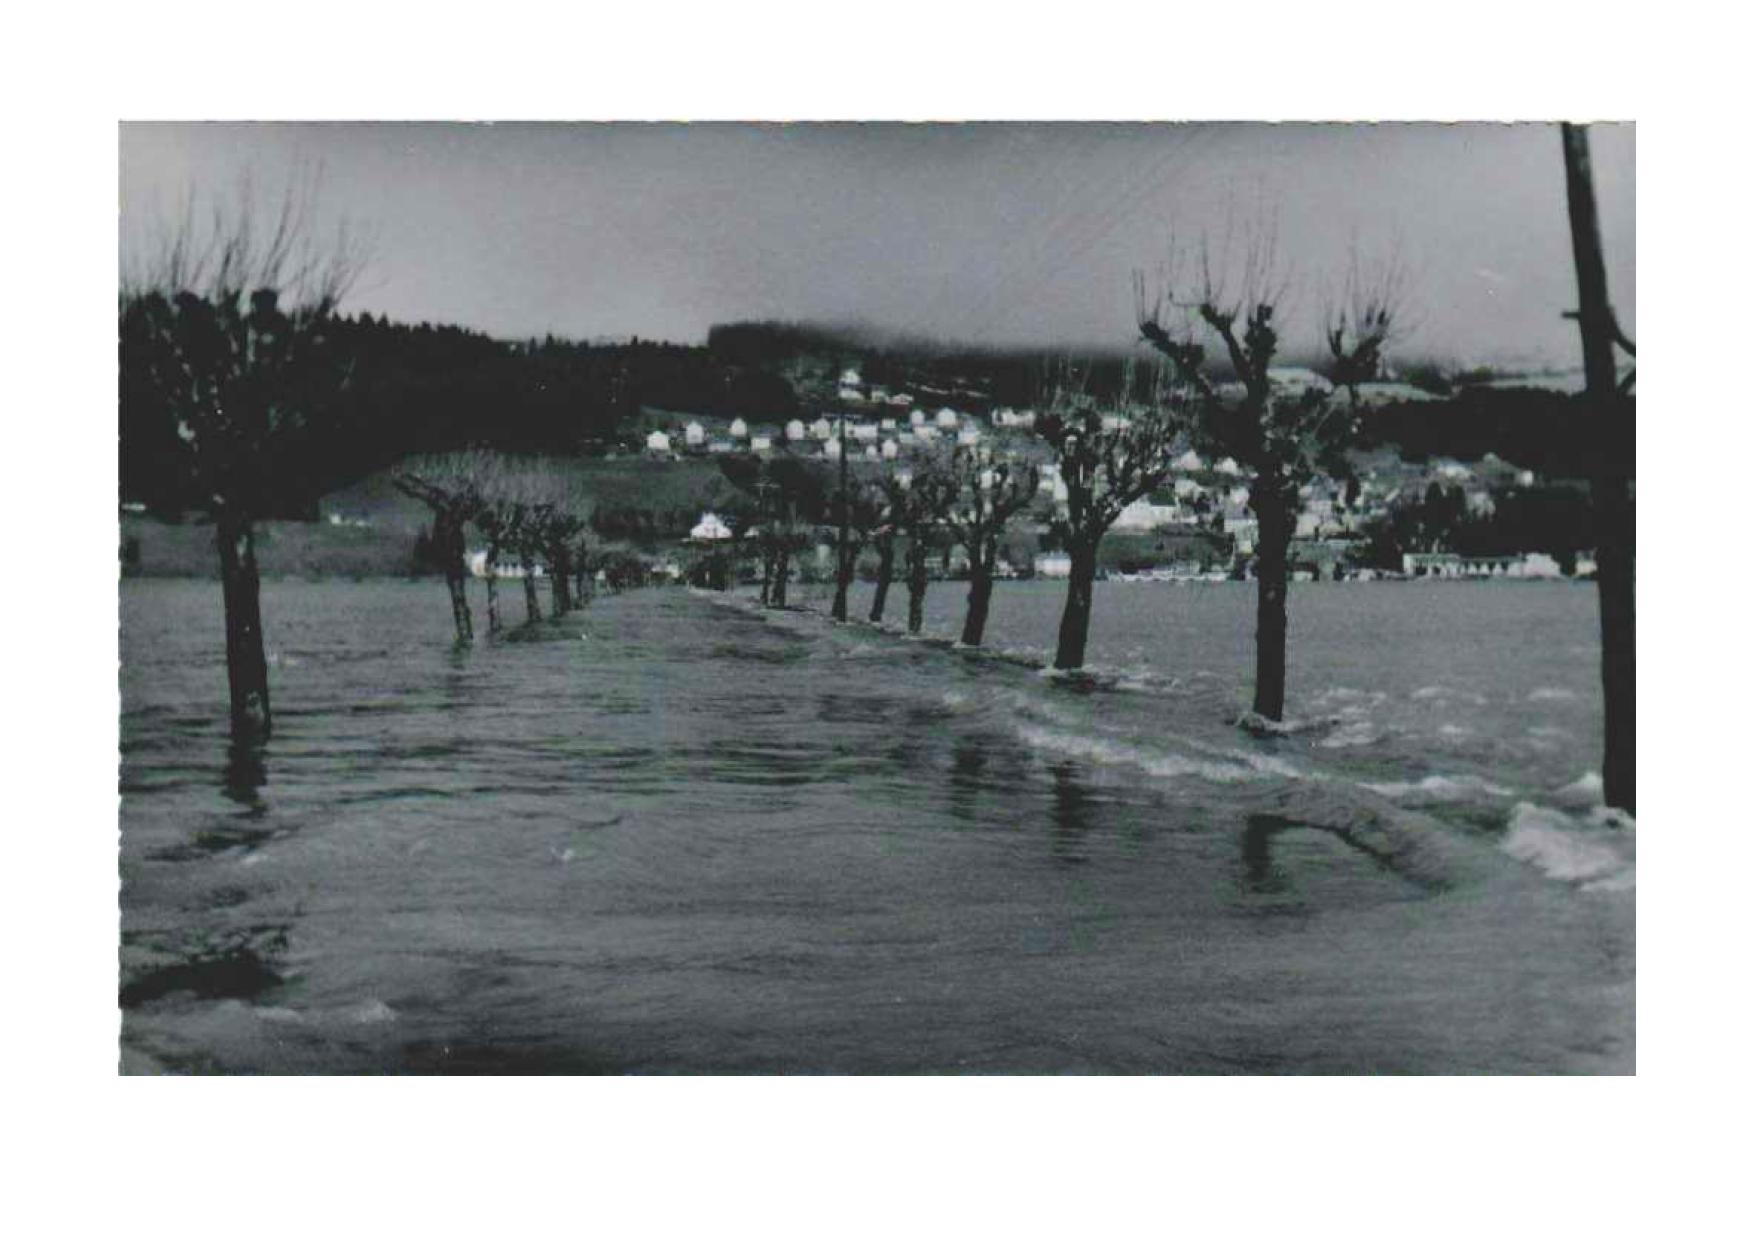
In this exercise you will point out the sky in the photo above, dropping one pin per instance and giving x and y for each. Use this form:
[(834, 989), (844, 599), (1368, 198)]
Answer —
[(987, 233)]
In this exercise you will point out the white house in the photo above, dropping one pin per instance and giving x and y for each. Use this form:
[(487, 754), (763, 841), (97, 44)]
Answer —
[(710, 529), (1190, 461), (479, 567), (1296, 380), (831, 449), (969, 436), (865, 432), (917, 418), (887, 424), (852, 395), (657, 441), (1053, 564), (761, 443), (946, 419), (794, 430), (821, 429), (850, 377), (694, 434), (1142, 514), (871, 451), (739, 429), (721, 446), (1228, 467), (890, 450)]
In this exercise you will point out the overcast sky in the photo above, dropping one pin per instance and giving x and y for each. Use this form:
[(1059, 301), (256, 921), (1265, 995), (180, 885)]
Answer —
[(985, 233)]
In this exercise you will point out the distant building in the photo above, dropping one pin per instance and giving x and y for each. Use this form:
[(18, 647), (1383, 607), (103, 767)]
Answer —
[(850, 377), (852, 395), (1053, 564), (917, 418), (657, 441), (865, 432), (946, 419), (694, 434), (710, 529), (739, 429), (1296, 380), (794, 430), (890, 450), (500, 569), (1142, 514), (821, 429), (761, 443), (969, 436)]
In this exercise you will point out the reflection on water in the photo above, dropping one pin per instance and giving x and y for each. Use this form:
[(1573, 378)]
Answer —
[(674, 834)]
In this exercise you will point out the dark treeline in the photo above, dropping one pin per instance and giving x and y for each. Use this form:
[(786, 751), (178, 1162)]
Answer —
[(1551, 433), (432, 389)]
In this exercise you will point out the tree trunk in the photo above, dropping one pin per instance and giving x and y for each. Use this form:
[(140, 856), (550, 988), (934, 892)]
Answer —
[(493, 623), (246, 663), (782, 569), (767, 559), (1080, 596), (885, 570), (980, 599), (448, 530), (1270, 594), (916, 584), (532, 603), (842, 581), (1610, 484), (560, 576)]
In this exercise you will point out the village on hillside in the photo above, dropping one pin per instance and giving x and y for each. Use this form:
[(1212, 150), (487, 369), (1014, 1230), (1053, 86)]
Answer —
[(1199, 526)]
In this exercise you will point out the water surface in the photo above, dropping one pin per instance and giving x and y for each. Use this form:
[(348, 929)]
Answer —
[(676, 834)]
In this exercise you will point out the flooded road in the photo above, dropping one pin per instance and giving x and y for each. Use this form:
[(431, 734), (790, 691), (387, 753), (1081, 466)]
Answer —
[(675, 834)]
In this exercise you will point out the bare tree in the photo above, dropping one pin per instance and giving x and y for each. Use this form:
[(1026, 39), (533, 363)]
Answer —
[(1107, 460), (1284, 439), (989, 491), (930, 489), (451, 486), (228, 324), (892, 494)]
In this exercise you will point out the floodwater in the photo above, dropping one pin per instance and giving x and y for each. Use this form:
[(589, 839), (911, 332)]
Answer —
[(676, 834)]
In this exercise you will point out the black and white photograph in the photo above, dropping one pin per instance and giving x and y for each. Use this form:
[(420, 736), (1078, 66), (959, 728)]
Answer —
[(872, 621), (872, 599)]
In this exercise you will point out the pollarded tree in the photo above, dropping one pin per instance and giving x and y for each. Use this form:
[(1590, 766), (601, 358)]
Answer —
[(892, 497), (451, 487), (1284, 438), (229, 328), (929, 489), (1107, 460), (990, 490), (495, 514)]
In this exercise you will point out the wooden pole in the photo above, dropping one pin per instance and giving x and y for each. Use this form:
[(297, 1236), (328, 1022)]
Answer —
[(1610, 482), (842, 570)]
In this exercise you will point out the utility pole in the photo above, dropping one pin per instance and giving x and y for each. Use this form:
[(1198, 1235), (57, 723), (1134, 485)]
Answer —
[(1611, 477), (843, 571)]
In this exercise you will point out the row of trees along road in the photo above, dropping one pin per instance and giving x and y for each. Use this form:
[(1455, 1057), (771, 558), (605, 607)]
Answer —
[(527, 512)]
